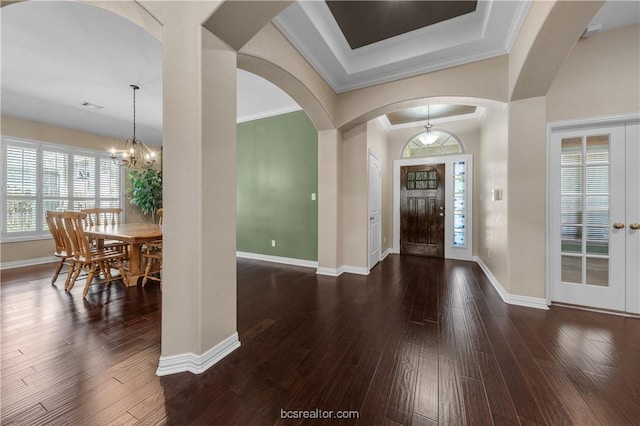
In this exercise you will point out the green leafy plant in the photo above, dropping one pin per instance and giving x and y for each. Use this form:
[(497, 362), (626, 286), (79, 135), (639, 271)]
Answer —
[(146, 191)]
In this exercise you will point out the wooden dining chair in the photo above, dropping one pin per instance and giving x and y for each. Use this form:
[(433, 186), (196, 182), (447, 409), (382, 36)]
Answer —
[(153, 256), (87, 257), (64, 249), (105, 216)]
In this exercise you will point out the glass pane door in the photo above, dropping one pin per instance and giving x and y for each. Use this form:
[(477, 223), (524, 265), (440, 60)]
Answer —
[(459, 204), (585, 209), (587, 186)]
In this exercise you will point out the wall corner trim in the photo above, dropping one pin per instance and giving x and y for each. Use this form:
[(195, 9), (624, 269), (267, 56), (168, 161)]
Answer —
[(331, 272), (277, 259), (354, 270), (194, 363), (386, 253), (511, 299), (28, 262)]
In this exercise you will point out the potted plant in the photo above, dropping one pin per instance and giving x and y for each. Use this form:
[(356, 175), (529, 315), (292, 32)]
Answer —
[(146, 190)]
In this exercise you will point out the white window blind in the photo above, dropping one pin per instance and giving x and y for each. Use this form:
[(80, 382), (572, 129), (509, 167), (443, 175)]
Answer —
[(84, 182), (109, 183), (21, 189), (39, 177), (55, 181)]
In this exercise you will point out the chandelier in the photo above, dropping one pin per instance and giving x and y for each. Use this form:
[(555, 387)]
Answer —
[(136, 155), (428, 138)]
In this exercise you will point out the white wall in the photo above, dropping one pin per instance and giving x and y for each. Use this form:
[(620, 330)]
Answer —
[(355, 197), (600, 77), (527, 199), (492, 173)]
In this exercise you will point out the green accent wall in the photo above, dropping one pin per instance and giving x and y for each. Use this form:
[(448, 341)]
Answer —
[(277, 167)]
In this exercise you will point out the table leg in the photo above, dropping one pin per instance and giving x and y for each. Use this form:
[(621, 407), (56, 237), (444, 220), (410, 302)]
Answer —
[(135, 270)]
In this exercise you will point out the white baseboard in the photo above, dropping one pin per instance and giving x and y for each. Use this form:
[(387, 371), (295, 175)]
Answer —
[(353, 270), (277, 259), (28, 262), (330, 272), (511, 299), (528, 301), (341, 270), (197, 364), (386, 253)]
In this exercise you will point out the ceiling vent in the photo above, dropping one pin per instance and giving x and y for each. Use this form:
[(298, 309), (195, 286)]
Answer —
[(91, 106)]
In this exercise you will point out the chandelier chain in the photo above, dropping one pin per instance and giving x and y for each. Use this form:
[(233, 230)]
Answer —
[(137, 155)]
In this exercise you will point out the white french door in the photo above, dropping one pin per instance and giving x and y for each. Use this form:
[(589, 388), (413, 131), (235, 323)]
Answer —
[(594, 208)]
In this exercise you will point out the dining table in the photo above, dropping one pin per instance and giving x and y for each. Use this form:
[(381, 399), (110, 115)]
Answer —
[(135, 235)]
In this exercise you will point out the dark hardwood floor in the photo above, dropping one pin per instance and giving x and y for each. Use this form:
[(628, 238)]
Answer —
[(418, 342)]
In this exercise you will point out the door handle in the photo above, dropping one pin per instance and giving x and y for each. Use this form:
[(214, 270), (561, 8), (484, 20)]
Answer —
[(370, 217), (618, 225), (634, 226)]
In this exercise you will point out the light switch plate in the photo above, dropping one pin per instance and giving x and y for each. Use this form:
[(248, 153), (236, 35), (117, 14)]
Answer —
[(313, 196)]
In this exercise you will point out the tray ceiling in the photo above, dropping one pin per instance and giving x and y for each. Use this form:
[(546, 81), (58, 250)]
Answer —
[(366, 22), (485, 32)]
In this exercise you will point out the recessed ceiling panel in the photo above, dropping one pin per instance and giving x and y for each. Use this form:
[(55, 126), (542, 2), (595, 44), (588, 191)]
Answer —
[(486, 31), (434, 112), (367, 22)]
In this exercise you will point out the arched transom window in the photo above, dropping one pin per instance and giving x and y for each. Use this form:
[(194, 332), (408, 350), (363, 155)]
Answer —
[(439, 142)]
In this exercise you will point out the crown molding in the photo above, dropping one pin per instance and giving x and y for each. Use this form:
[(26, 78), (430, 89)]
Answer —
[(267, 114), (477, 114), (516, 24)]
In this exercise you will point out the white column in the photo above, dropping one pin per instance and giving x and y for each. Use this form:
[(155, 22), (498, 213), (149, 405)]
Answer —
[(329, 201), (199, 319)]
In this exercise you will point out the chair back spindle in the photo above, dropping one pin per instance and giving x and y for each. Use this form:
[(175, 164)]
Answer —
[(56, 227), (102, 216), (74, 226)]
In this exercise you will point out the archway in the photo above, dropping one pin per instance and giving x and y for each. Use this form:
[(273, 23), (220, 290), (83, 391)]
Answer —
[(291, 85)]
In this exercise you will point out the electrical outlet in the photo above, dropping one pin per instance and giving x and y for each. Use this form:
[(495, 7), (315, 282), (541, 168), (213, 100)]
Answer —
[(273, 243)]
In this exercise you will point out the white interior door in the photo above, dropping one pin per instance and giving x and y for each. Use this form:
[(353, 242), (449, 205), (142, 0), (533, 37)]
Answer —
[(588, 217), (375, 202), (633, 216)]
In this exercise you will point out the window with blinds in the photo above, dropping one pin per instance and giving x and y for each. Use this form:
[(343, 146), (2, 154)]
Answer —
[(584, 205), (21, 188), (39, 177)]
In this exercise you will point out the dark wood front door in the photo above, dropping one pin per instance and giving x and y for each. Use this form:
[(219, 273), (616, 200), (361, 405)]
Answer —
[(422, 210)]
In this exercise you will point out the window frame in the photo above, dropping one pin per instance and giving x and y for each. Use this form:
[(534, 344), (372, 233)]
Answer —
[(42, 231), (433, 154)]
